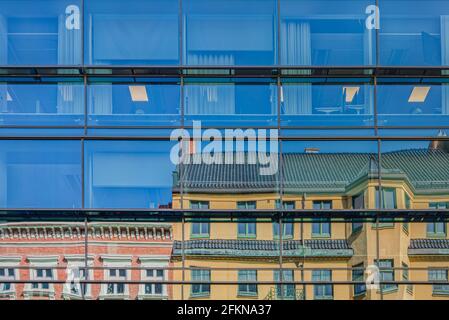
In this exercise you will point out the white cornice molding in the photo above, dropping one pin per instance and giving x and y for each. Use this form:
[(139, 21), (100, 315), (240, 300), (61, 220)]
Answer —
[(10, 260)]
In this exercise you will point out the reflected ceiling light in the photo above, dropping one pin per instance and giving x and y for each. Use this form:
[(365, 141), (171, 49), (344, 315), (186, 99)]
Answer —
[(8, 96), (419, 94), (350, 93), (138, 93)]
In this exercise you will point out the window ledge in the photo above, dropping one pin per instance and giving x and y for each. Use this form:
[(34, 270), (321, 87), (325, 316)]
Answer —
[(247, 294), (199, 295), (388, 291), (440, 294), (144, 296), (199, 236), (113, 296)]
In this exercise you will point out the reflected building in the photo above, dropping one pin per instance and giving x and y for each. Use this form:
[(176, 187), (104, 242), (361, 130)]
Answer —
[(58, 253), (316, 249)]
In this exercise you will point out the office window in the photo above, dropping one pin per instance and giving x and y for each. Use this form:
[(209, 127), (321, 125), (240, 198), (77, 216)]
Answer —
[(43, 104), (287, 226), (199, 228), (246, 229), (229, 32), (154, 288), (247, 289), (388, 202), (326, 32), (286, 291), (231, 102), (40, 174), (358, 202), (322, 226), (439, 275), (116, 288), (437, 229), (322, 291), (358, 272), (46, 32), (144, 32), (318, 103), (200, 289), (129, 174), (143, 102), (414, 34), (386, 274), (5, 275)]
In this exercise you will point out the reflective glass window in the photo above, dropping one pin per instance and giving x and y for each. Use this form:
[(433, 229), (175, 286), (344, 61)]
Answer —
[(414, 32), (230, 32), (129, 174), (326, 33), (40, 174), (44, 32), (50, 104), (142, 32), (154, 103)]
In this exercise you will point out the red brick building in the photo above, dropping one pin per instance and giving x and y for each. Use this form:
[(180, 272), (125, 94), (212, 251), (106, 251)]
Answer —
[(57, 251)]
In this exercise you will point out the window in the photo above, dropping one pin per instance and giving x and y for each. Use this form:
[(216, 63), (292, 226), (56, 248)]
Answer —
[(358, 202), (386, 274), (201, 289), (246, 229), (154, 288), (322, 226), (129, 174), (388, 202), (241, 32), (287, 227), (40, 174), (439, 275), (405, 277), (5, 275), (326, 32), (322, 291), (36, 32), (145, 32), (358, 275), (408, 205), (116, 288), (289, 291), (200, 229), (45, 274), (436, 229), (247, 289), (145, 102)]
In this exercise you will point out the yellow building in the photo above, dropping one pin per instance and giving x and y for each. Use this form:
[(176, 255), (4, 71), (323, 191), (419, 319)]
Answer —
[(315, 250)]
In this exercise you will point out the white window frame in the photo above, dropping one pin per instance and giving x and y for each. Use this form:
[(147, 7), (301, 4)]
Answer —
[(150, 263), (41, 262), (9, 262), (78, 261), (115, 262)]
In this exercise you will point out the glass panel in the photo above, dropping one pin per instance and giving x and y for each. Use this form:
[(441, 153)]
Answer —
[(57, 104), (134, 104), (230, 32), (326, 32), (130, 174), (420, 104), (231, 102), (46, 32), (326, 104), (414, 33), (146, 32), (23, 258), (40, 174)]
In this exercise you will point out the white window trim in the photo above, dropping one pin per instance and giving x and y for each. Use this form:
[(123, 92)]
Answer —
[(10, 261), (119, 262), (78, 261), (151, 262), (41, 262)]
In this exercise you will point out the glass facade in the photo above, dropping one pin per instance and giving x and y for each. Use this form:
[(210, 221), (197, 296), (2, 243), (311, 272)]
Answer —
[(224, 149)]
